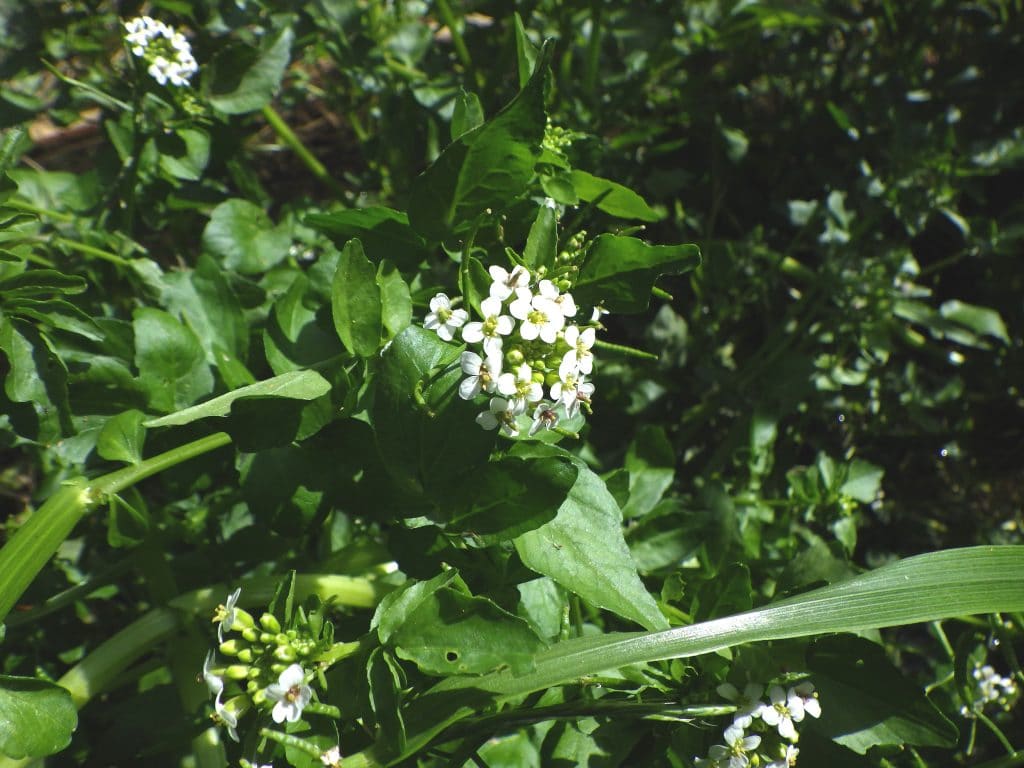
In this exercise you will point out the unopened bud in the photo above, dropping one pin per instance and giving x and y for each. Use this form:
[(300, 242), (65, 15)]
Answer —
[(551, 378), (267, 638), (270, 623), (237, 671), (538, 377), (245, 655), (231, 647), (514, 356), (284, 653), (250, 634)]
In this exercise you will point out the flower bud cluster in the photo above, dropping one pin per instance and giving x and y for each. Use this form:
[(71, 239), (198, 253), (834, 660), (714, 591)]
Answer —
[(774, 744), (556, 139), (167, 52), (264, 661), (523, 343), (991, 688)]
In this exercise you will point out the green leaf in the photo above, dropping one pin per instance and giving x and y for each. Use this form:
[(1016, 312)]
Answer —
[(293, 385), (467, 114), (172, 365), (122, 437), (526, 52), (863, 481), (451, 633), (55, 313), (384, 678), (37, 718), (620, 271), (384, 233), (651, 462), (399, 605), (937, 585), (511, 496), (36, 375), (542, 242), (356, 302), (396, 302), (981, 320), (300, 331), (184, 153), (428, 445), (34, 282), (866, 702), (245, 79), (485, 168), (583, 549), (243, 237), (614, 199)]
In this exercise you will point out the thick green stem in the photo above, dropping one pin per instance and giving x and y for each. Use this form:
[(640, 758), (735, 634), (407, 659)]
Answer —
[(35, 542), (293, 142)]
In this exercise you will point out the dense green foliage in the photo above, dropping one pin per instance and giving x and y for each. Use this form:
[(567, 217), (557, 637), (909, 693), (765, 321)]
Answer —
[(764, 257)]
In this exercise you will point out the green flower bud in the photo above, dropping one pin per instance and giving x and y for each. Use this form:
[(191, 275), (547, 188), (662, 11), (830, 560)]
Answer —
[(252, 686), (243, 619), (563, 285), (254, 673), (267, 638), (551, 378), (514, 356), (259, 697), (245, 655), (284, 653), (237, 671), (282, 639), (231, 647), (292, 634), (270, 623), (277, 669), (538, 377), (250, 634)]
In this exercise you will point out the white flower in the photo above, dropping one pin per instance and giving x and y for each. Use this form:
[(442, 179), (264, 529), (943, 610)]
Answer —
[(494, 326), (808, 697), (734, 754), (784, 710), (503, 413), (167, 52), (539, 314), (291, 694), (566, 303), (786, 759), (225, 614), (214, 683), (748, 704), (580, 343), (571, 389), (597, 313), (228, 719), (481, 374), (505, 283), (544, 417), (443, 318), (332, 757), (520, 386)]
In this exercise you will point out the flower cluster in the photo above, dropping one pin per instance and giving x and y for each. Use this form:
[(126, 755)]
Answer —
[(263, 660), (991, 688), (775, 745), (167, 52), (523, 342)]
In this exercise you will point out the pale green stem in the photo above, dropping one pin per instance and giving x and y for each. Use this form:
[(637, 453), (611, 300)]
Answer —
[(293, 142), (89, 250), (624, 350)]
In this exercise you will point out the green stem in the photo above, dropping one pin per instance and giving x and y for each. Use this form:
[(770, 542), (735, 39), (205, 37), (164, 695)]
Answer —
[(34, 543), (624, 350), (593, 50), (293, 142), (90, 250), (983, 718), (661, 293), (47, 213), (445, 11)]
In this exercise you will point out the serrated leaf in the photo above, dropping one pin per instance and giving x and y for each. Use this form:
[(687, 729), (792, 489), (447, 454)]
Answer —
[(37, 718), (245, 79), (122, 437), (866, 702), (356, 302), (171, 362), (612, 198), (584, 550), (486, 168), (293, 385), (620, 271), (243, 238)]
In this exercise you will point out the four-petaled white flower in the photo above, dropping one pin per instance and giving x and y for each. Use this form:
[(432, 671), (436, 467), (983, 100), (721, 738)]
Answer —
[(580, 343), (481, 375), (494, 326), (786, 759), (544, 417), (737, 746), (784, 710), (226, 614), (291, 694), (214, 683), (228, 719), (540, 316), (520, 386), (565, 302), (808, 698), (168, 52), (748, 704), (443, 319), (505, 282), (571, 389), (503, 413)]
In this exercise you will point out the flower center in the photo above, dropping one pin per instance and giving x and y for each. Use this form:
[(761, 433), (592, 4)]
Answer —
[(490, 325), (293, 694), (443, 314), (537, 317)]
